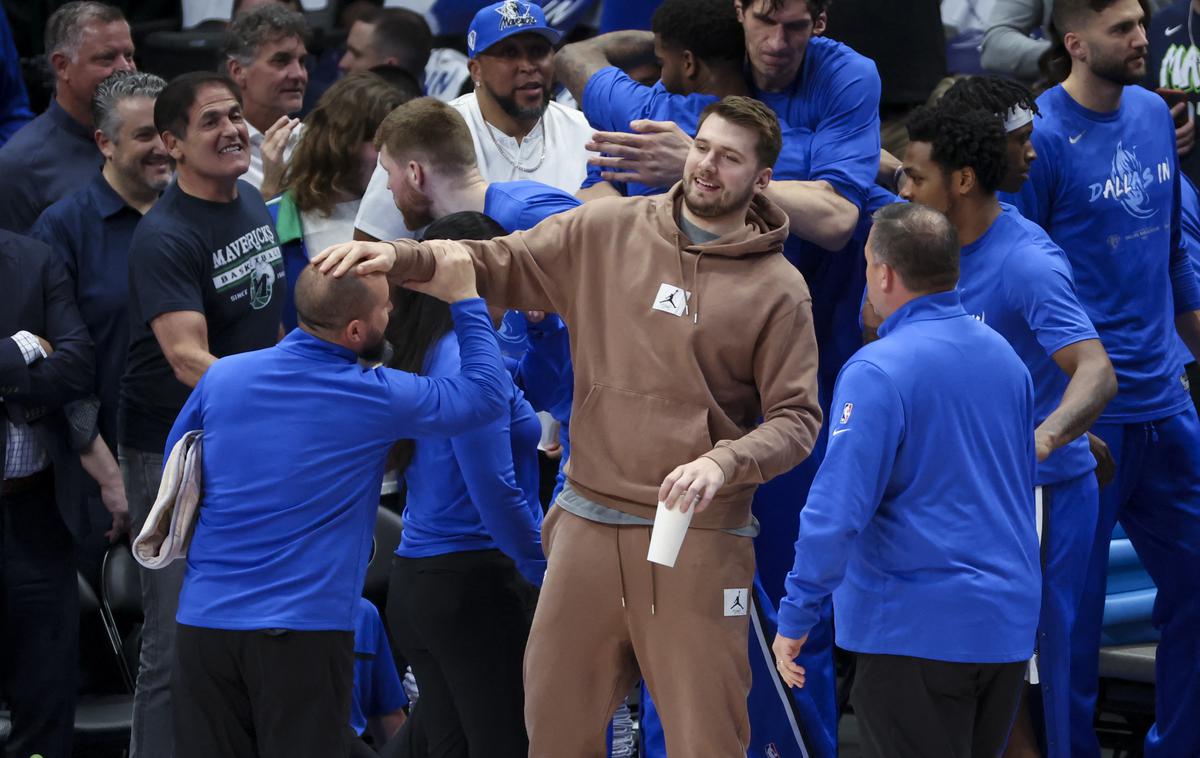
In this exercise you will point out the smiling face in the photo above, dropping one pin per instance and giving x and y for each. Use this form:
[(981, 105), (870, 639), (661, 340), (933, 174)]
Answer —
[(217, 143), (137, 152), (104, 48), (517, 72), (274, 82), (721, 173), (777, 39)]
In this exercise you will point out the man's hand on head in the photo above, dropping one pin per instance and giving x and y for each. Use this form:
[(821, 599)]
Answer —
[(364, 257), (654, 155), (454, 278)]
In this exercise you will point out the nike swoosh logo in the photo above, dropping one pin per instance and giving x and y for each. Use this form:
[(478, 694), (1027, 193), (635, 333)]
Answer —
[(1076, 138), (1171, 30), (836, 432)]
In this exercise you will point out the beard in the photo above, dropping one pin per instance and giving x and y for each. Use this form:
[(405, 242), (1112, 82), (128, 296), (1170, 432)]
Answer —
[(712, 207), (509, 105), (373, 351), (1119, 70), (416, 209)]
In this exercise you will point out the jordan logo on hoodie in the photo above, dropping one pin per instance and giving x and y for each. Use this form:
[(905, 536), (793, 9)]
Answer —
[(671, 299)]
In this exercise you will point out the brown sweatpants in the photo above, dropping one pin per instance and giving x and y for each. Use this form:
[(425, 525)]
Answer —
[(606, 615)]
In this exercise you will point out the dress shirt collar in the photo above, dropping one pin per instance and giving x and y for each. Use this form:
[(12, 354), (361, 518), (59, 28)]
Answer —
[(939, 305), (108, 203), (64, 121)]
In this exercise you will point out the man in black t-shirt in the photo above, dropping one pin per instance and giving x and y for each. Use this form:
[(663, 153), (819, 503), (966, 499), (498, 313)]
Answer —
[(1174, 63), (205, 281)]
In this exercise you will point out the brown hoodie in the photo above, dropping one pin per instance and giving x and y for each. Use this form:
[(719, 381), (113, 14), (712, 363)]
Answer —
[(654, 390)]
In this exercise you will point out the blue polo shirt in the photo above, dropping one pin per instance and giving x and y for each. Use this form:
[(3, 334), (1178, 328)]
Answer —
[(1015, 280), (48, 159), (91, 231), (920, 521), (1105, 187), (283, 533)]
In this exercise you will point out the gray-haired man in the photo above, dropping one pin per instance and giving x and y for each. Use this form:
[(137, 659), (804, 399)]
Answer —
[(54, 154), (91, 230), (264, 55)]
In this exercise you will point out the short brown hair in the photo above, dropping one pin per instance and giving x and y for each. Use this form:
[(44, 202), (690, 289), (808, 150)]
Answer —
[(753, 115), (430, 128), (326, 158)]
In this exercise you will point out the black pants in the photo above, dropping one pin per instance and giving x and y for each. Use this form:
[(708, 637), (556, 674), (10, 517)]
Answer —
[(262, 694), (39, 618), (932, 709), (462, 620)]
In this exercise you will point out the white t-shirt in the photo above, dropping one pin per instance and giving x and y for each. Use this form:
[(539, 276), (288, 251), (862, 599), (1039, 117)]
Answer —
[(321, 231), (564, 131), (254, 175)]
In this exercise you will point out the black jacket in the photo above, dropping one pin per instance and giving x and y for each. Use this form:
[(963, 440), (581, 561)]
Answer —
[(36, 296)]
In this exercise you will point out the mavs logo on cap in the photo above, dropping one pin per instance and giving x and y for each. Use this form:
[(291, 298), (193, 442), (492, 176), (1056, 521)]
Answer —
[(511, 14), (516, 17)]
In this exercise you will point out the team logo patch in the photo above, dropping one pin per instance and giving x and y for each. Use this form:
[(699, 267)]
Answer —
[(670, 299), (736, 602), (262, 284), (471, 40), (513, 14), (847, 409), (1129, 182)]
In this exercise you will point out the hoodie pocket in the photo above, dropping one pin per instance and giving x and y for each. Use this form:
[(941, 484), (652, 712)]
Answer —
[(625, 443)]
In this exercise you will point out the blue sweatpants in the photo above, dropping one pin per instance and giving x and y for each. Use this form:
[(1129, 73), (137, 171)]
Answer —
[(1068, 531), (1156, 498)]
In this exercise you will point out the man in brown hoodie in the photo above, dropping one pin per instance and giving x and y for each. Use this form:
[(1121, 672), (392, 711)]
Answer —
[(695, 381)]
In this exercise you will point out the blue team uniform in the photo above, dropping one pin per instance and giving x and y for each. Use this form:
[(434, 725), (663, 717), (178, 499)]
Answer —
[(1106, 188), (1018, 282), (378, 690)]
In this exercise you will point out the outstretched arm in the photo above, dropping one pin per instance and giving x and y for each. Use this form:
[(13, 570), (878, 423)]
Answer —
[(575, 64)]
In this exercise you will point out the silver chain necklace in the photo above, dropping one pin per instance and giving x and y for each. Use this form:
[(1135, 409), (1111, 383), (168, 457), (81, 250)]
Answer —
[(516, 162)]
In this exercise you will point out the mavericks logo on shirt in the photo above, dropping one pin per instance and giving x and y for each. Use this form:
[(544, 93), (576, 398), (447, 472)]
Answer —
[(1129, 183), (1179, 68), (249, 266)]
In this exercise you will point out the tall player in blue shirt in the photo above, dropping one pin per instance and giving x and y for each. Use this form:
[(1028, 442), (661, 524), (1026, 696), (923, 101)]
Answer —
[(1015, 280), (1106, 188)]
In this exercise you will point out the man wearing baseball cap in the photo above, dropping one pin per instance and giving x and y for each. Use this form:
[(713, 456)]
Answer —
[(519, 132)]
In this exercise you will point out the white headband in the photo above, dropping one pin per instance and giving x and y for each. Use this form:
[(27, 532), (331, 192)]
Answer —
[(1016, 117)]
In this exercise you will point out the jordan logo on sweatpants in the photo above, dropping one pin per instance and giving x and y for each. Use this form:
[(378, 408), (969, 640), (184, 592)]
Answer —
[(735, 602)]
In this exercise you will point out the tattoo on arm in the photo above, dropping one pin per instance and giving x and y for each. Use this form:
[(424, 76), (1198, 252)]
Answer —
[(576, 63)]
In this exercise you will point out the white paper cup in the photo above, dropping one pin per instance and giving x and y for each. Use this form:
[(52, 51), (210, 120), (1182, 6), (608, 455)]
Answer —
[(666, 536), (550, 429)]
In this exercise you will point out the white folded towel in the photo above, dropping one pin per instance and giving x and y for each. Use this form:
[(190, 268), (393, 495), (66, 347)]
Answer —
[(168, 529)]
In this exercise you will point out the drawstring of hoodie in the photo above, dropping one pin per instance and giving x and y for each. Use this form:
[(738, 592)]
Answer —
[(621, 573), (696, 286), (620, 566), (694, 306)]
